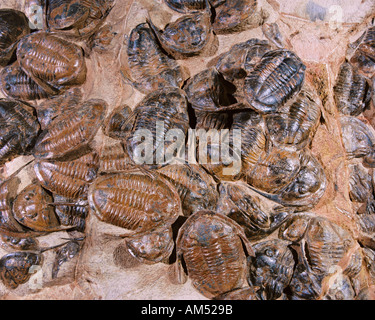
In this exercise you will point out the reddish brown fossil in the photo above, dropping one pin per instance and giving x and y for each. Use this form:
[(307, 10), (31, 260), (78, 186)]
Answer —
[(351, 91), (71, 131), (68, 178), (13, 25), (16, 84), (31, 209), (155, 121), (16, 267), (234, 15), (276, 78), (196, 187), (211, 245), (50, 108), (363, 58), (134, 201), (151, 247), (187, 36), (150, 68), (296, 122), (116, 125), (81, 16), (19, 129), (52, 62)]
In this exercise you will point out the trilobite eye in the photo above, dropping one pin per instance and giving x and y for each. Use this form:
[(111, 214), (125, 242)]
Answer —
[(269, 253), (7, 87)]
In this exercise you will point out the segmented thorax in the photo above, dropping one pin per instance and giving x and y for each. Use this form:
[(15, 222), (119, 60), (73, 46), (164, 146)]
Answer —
[(50, 108), (358, 140), (71, 131), (211, 246), (113, 158), (150, 68), (295, 123), (360, 184), (13, 26), (197, 189), (31, 208), (351, 91), (16, 84), (160, 114), (275, 79), (134, 201), (326, 244), (233, 15), (52, 62), (15, 268), (212, 120), (272, 267), (364, 56), (68, 178), (253, 138), (187, 36)]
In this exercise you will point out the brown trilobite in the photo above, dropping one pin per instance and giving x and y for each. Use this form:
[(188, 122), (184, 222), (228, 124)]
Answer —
[(150, 68), (295, 123), (364, 56), (16, 267), (272, 267), (52, 62), (351, 91), (234, 15), (71, 212), (195, 186), (211, 246), (115, 125), (16, 84), (31, 208), (161, 114), (71, 131), (19, 129), (151, 247), (50, 108), (68, 178), (187, 36), (241, 58), (134, 201), (13, 25), (275, 79)]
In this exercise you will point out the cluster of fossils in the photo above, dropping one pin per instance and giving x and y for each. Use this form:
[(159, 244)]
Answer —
[(257, 86)]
